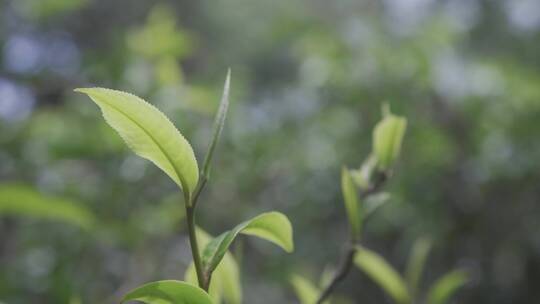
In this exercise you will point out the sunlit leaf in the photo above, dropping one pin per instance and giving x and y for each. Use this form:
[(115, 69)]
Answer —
[(225, 279), (416, 263), (168, 292), (306, 291), (350, 196), (149, 133), (272, 226), (446, 286), (387, 138), (20, 200), (382, 273)]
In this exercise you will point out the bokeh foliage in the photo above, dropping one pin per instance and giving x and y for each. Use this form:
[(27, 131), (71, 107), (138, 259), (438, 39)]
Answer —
[(309, 81)]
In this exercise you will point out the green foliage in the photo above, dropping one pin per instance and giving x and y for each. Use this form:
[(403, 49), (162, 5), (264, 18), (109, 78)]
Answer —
[(446, 286), (168, 292), (271, 226), (21, 200), (387, 138), (381, 272), (305, 290), (226, 277), (150, 134), (352, 206), (416, 263)]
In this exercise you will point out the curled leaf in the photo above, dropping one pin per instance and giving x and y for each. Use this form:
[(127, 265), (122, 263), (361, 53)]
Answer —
[(387, 138)]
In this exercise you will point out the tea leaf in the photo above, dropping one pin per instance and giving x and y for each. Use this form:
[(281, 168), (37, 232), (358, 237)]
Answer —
[(21, 200), (168, 292), (446, 286), (271, 226), (416, 263), (350, 196), (387, 138), (306, 292), (149, 133), (382, 273)]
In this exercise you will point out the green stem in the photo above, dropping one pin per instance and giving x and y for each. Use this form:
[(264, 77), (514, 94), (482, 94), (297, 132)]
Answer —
[(190, 215)]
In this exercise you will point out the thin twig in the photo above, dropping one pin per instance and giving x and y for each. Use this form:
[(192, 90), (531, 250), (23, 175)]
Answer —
[(190, 215), (379, 180)]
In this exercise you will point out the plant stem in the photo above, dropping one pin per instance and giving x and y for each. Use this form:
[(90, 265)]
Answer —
[(347, 260), (190, 215)]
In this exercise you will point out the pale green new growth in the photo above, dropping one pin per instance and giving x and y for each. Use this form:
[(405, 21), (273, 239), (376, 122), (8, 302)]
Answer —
[(149, 133), (350, 196), (306, 291), (382, 273), (225, 279), (416, 263), (387, 138), (445, 287), (168, 292), (21, 200), (271, 226)]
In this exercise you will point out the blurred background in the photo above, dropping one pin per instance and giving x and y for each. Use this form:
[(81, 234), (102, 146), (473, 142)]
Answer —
[(309, 78)]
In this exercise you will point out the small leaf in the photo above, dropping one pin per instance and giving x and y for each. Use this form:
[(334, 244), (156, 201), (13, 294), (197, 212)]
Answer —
[(21, 200), (306, 291), (149, 133), (387, 138), (445, 287), (271, 226), (362, 176), (350, 196), (374, 202), (218, 125), (225, 279), (416, 263), (168, 292), (382, 273)]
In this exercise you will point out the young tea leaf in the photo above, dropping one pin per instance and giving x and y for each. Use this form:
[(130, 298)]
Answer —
[(350, 196), (21, 200), (416, 263), (445, 287), (168, 292), (382, 273), (149, 133), (306, 292), (387, 138), (225, 279), (219, 121), (271, 226)]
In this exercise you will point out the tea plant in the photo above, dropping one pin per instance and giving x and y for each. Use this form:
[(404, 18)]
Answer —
[(359, 187), (151, 135)]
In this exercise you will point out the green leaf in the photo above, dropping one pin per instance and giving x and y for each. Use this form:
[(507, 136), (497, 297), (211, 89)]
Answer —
[(306, 291), (350, 197), (218, 125), (225, 279), (272, 226), (382, 273), (149, 133), (416, 263), (387, 138), (445, 287), (168, 292), (21, 200)]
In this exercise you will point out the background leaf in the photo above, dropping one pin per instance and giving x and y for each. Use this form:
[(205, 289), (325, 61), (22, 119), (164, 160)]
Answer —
[(416, 263), (149, 133), (168, 292), (350, 197), (271, 226), (305, 290), (21, 200), (382, 273), (446, 286), (387, 138)]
